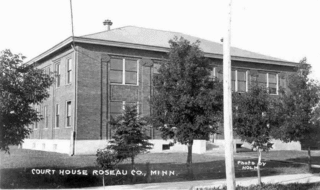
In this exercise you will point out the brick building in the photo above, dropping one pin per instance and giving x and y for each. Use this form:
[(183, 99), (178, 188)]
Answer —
[(98, 73)]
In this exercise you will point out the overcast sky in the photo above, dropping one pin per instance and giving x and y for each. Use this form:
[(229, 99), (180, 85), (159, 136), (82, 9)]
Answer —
[(286, 29)]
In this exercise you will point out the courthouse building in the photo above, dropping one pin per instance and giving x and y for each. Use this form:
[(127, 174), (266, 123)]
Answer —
[(97, 74)]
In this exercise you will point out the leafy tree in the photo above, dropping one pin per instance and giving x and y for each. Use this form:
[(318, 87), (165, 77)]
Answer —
[(130, 138), (254, 117), (187, 104), (298, 114), (21, 85)]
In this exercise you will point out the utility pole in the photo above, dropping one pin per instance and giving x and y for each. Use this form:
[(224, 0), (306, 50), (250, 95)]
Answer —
[(227, 105)]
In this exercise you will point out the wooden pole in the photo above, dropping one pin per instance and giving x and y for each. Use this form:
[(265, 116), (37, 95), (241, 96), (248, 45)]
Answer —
[(227, 105)]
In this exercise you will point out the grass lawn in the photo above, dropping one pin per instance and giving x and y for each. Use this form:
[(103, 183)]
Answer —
[(294, 156), (16, 168), (292, 186)]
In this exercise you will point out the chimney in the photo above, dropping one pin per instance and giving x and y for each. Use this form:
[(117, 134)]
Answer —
[(108, 23)]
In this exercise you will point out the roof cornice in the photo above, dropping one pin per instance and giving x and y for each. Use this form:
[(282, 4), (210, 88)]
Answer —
[(51, 50), (146, 47)]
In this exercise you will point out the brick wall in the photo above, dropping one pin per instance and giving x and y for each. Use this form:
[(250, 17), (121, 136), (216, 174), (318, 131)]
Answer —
[(59, 96), (89, 88)]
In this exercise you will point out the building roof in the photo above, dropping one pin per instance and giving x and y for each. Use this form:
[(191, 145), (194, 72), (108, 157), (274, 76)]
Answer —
[(157, 40), (160, 38)]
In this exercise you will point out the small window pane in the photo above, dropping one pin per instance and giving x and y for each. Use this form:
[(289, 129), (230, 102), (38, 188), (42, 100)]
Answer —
[(57, 115), (272, 78), (69, 64), (233, 75), (69, 108), (68, 113), (220, 76), (131, 77), (116, 64), (131, 65), (116, 77), (262, 79), (241, 86), (273, 88), (241, 76), (116, 107)]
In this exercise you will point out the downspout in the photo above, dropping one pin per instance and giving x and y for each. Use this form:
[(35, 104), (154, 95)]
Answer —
[(73, 133), (101, 97), (53, 108), (150, 104)]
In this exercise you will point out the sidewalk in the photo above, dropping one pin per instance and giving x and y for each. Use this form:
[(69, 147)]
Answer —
[(197, 185)]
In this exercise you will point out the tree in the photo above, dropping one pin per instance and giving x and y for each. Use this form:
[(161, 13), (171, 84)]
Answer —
[(130, 138), (21, 86), (254, 117), (299, 102), (187, 103)]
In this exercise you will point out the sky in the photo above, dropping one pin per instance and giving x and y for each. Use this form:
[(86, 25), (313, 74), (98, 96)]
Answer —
[(286, 29)]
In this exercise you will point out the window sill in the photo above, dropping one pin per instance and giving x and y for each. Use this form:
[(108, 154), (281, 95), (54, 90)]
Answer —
[(123, 84)]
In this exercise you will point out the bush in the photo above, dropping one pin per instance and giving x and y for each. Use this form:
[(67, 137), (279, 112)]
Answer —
[(107, 159)]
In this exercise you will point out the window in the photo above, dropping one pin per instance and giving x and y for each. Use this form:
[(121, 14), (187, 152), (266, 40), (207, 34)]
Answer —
[(131, 71), (238, 78), (124, 71), (69, 71), (46, 116), (36, 123), (272, 83), (46, 70), (57, 69), (262, 79), (57, 115), (68, 113), (217, 73), (241, 81), (233, 80), (117, 107)]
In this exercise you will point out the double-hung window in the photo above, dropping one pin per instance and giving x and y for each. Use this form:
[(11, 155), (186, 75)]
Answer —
[(241, 81), (273, 83), (57, 115), (233, 80), (124, 71), (69, 71), (68, 110), (239, 78), (57, 69), (269, 80), (36, 123)]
